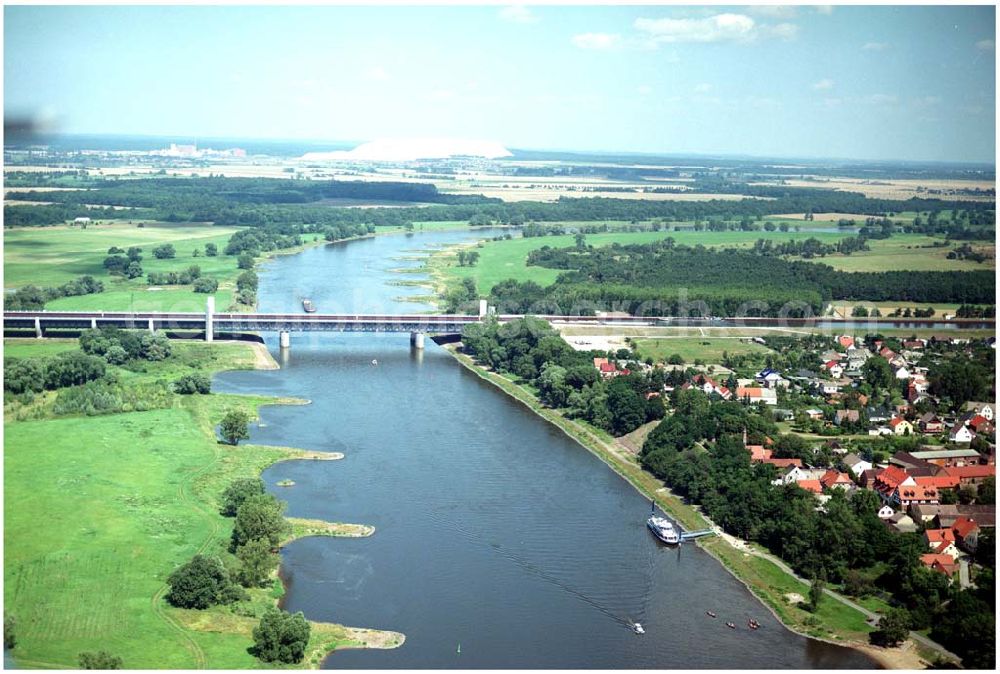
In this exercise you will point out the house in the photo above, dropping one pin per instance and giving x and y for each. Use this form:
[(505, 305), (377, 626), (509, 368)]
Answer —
[(942, 542), (970, 475), (813, 486), (757, 395), (988, 410), (849, 416), (771, 379), (941, 563), (913, 344), (781, 414), (834, 368), (81, 221), (885, 512), (856, 464), (900, 426), (939, 482), (896, 487), (902, 373), (966, 532), (834, 478), (887, 353), (947, 458), (877, 414), (901, 522), (845, 341), (758, 453), (794, 473), (814, 414), (980, 425), (709, 386), (912, 464), (961, 433), (930, 424), (831, 355), (782, 463)]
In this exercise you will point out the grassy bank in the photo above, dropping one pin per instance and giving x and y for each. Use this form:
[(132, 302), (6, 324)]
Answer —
[(100, 510), (833, 621)]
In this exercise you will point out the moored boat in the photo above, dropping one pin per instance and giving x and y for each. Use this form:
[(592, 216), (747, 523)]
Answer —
[(308, 306), (663, 529)]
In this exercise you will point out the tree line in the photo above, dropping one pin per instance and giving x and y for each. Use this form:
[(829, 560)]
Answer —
[(33, 298)]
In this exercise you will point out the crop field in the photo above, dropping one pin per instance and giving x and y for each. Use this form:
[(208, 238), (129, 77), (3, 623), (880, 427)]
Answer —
[(707, 349), (907, 252), (500, 260), (51, 256)]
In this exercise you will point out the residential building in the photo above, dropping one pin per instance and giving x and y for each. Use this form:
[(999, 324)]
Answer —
[(942, 542), (941, 563), (753, 395), (900, 426), (856, 464)]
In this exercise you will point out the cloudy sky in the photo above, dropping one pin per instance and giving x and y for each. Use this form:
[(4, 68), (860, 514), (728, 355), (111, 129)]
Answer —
[(852, 82)]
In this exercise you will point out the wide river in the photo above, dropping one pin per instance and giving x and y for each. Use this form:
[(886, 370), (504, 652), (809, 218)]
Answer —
[(499, 542)]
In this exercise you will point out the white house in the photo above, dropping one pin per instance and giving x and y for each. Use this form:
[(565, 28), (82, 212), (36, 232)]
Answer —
[(856, 464), (902, 373), (961, 433)]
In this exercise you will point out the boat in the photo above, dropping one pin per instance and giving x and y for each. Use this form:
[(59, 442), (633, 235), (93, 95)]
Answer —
[(638, 629), (710, 614), (375, 362), (663, 529), (731, 625), (308, 306)]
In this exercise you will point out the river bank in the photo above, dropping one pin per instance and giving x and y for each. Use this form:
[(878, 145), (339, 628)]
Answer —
[(834, 622)]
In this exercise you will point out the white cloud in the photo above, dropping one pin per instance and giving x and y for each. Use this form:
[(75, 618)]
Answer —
[(774, 11), (824, 9), (596, 40), (376, 74), (823, 85), (985, 45), (517, 14), (874, 46), (717, 28), (703, 88), (883, 99), (644, 90)]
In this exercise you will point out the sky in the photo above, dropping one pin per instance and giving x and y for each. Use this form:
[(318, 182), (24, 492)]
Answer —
[(884, 83)]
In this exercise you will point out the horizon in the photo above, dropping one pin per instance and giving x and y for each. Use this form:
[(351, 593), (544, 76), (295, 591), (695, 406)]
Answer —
[(809, 83)]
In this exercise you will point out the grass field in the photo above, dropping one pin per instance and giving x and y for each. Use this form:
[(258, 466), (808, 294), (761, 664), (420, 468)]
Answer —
[(906, 252), (500, 260), (707, 349), (51, 256), (99, 510)]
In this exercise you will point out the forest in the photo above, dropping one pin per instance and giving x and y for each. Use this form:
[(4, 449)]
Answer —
[(662, 278)]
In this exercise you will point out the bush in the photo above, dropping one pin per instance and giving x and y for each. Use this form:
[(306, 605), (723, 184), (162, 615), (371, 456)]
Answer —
[(72, 369), (245, 261), (9, 637), (211, 250), (99, 660), (201, 583), (164, 252), (281, 637), (260, 517), (23, 374), (206, 285), (238, 491), (193, 383)]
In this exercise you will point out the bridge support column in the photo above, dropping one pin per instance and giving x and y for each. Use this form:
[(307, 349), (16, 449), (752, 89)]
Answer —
[(284, 339), (417, 340), (482, 308), (38, 327), (93, 323), (209, 311), (152, 330)]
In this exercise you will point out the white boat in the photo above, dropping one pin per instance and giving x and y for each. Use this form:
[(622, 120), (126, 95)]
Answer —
[(663, 529), (637, 628)]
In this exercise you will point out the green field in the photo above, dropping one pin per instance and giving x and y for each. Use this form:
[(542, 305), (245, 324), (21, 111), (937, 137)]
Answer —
[(99, 510), (905, 252), (501, 260), (707, 349), (51, 256)]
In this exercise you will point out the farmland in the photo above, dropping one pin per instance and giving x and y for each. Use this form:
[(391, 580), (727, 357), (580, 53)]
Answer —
[(709, 350), (912, 252)]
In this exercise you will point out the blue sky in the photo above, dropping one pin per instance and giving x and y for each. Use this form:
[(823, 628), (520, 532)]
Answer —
[(853, 82)]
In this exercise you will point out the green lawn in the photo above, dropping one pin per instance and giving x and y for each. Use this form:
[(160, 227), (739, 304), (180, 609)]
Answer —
[(51, 256), (501, 260), (99, 510), (905, 252), (708, 349)]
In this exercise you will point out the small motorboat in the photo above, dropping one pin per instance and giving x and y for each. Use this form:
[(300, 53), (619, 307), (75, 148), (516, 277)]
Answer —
[(710, 614), (375, 362), (730, 625), (638, 629)]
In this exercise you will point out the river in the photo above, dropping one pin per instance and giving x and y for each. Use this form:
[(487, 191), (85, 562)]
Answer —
[(500, 542)]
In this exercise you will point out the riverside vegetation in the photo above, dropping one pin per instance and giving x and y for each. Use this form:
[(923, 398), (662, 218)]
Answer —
[(130, 479)]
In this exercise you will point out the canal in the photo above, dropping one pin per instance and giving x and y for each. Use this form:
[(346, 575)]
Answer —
[(500, 542)]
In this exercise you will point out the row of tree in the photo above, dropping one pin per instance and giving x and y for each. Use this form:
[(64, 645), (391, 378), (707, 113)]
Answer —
[(33, 298)]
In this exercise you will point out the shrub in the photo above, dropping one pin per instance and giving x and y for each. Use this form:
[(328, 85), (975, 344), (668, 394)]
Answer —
[(211, 250), (206, 285), (193, 383), (23, 374), (238, 491), (201, 583), (164, 252), (99, 660), (71, 369), (281, 637), (245, 261)]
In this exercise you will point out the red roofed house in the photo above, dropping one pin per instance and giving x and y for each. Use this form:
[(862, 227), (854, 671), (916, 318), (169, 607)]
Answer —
[(811, 485), (973, 475), (783, 463), (768, 396), (898, 488), (939, 482), (942, 542), (941, 563), (758, 453), (834, 368), (981, 424), (833, 478), (707, 385), (966, 532), (900, 426), (845, 341)]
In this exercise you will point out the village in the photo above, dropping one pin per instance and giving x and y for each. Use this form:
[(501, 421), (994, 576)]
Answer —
[(873, 421)]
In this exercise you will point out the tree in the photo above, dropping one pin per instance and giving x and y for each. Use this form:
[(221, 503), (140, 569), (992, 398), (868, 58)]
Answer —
[(193, 383), (893, 628), (165, 251), (281, 637), (9, 636), (201, 583), (99, 660), (257, 561), (238, 491), (205, 285), (472, 258), (815, 594), (245, 261), (260, 517), (234, 427), (211, 250), (878, 373)]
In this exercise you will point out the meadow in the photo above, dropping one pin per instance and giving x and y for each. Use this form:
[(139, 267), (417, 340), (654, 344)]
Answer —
[(706, 349), (100, 510), (51, 256), (913, 252)]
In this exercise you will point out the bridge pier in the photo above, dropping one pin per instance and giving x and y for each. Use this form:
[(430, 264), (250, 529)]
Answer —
[(93, 323), (417, 340), (152, 330), (284, 339), (209, 310), (38, 327)]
